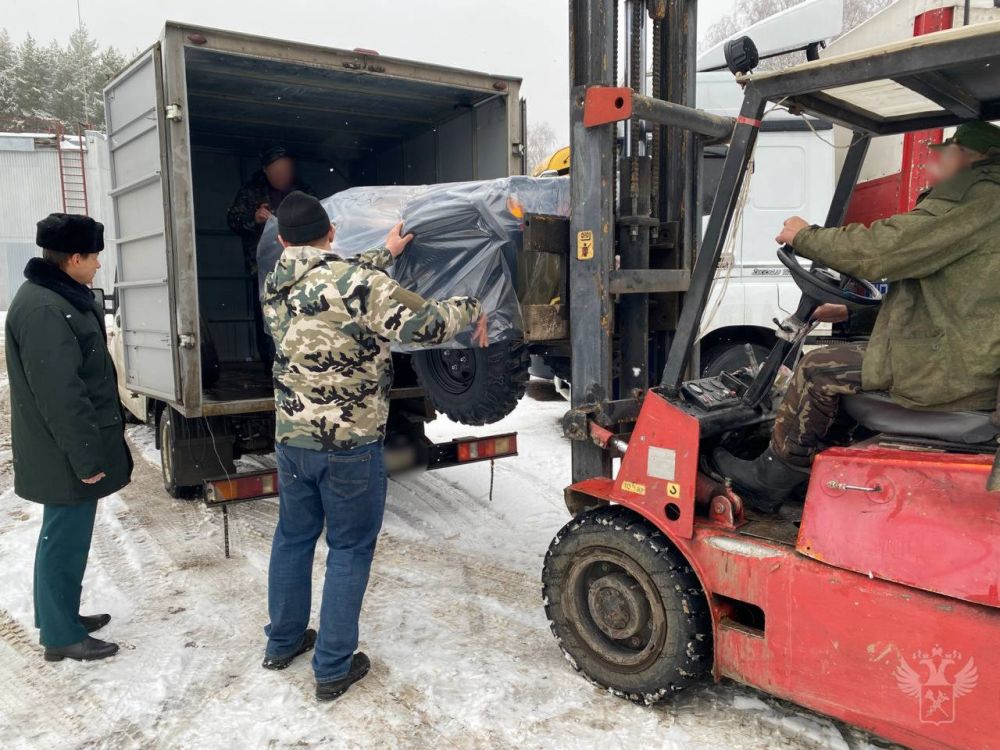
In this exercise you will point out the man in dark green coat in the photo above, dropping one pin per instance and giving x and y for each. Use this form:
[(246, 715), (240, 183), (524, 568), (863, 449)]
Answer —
[(936, 341), (66, 424)]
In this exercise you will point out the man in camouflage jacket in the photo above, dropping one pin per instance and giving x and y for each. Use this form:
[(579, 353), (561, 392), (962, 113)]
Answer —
[(333, 320), (936, 341)]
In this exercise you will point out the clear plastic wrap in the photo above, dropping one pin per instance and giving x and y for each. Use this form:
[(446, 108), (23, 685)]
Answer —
[(467, 238)]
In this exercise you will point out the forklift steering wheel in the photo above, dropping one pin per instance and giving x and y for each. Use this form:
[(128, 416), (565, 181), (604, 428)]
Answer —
[(825, 285)]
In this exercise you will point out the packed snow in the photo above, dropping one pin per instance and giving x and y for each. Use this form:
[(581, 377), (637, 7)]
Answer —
[(453, 621)]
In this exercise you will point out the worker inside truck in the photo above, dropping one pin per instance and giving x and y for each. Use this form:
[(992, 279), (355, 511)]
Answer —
[(935, 344), (254, 204)]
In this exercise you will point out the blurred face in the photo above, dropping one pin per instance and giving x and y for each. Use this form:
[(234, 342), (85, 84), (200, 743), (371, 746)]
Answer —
[(281, 173), (950, 162), (82, 267)]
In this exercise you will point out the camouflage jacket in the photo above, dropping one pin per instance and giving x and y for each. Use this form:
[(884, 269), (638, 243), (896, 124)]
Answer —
[(240, 216), (332, 321), (936, 341)]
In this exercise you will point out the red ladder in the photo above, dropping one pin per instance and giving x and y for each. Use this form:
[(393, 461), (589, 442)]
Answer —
[(72, 173)]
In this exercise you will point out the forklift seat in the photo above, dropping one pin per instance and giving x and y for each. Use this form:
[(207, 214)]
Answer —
[(877, 411)]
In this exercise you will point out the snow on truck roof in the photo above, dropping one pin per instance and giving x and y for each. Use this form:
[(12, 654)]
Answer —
[(935, 80)]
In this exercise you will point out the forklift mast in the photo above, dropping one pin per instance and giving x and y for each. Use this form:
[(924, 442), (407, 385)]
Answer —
[(637, 281)]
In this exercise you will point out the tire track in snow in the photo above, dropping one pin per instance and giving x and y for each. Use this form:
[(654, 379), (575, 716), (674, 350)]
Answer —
[(39, 683)]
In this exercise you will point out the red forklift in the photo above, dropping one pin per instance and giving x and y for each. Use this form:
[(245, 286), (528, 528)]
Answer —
[(876, 600)]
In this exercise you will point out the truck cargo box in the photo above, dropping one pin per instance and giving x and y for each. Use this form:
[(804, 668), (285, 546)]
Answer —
[(186, 123)]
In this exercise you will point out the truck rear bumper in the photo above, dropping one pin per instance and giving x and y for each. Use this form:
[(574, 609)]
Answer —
[(256, 485)]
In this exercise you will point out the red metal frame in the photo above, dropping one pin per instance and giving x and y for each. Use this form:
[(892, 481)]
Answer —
[(914, 667), (605, 104), (898, 193)]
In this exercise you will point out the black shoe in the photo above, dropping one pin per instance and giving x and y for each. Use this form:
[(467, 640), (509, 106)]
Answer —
[(281, 662), (328, 691), (93, 623), (89, 649), (766, 482)]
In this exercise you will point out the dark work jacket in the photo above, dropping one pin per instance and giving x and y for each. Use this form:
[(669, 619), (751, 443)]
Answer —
[(240, 216), (66, 417)]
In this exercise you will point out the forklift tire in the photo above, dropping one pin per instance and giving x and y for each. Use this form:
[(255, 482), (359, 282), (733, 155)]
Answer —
[(474, 386), (626, 607), (169, 456)]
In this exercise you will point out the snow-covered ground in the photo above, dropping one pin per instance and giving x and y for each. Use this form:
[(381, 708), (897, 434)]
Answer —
[(462, 654)]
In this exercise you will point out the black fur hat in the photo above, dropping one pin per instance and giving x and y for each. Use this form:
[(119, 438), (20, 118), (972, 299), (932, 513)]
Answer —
[(70, 233)]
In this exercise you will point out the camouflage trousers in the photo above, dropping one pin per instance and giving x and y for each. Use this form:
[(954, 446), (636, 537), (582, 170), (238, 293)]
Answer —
[(809, 418)]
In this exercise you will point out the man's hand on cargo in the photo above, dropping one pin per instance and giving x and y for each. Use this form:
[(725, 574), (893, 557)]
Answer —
[(262, 214), (481, 335), (396, 244), (94, 479), (793, 225), (831, 314)]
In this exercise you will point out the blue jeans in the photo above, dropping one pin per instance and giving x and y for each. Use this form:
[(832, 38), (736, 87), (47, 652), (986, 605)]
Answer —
[(346, 489)]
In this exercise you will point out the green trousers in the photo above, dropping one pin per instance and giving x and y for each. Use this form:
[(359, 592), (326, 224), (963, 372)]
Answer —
[(60, 562)]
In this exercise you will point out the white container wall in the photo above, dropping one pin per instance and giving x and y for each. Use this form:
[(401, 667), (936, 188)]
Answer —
[(30, 189)]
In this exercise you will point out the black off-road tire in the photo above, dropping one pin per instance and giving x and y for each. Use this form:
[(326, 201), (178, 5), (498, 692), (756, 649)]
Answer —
[(474, 386), (609, 550)]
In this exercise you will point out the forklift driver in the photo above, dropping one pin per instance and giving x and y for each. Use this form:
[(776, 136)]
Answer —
[(936, 342)]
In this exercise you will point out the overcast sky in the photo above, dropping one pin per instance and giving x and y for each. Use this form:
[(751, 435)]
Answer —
[(525, 38)]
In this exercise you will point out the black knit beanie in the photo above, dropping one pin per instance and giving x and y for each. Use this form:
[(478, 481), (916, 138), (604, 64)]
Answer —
[(302, 219)]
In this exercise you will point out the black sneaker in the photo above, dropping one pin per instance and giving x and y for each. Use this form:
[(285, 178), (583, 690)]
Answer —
[(328, 691), (281, 662), (93, 623), (89, 649)]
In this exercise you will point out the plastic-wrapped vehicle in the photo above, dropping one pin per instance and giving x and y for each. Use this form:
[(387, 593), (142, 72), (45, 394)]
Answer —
[(468, 240)]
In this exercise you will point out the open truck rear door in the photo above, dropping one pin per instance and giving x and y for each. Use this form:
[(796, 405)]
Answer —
[(135, 114)]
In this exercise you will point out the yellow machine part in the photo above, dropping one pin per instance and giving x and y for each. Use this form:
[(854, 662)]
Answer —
[(558, 163)]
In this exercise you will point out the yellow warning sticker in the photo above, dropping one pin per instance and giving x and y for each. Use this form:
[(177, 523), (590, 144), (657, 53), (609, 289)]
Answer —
[(634, 487), (673, 489), (584, 245)]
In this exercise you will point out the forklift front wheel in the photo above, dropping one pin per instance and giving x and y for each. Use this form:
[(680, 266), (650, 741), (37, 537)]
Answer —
[(627, 609)]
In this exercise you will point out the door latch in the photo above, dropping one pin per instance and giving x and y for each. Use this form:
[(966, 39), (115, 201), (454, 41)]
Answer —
[(173, 112), (843, 487), (186, 341)]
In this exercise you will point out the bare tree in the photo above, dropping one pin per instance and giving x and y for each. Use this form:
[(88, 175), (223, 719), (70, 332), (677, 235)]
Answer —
[(542, 142), (752, 11)]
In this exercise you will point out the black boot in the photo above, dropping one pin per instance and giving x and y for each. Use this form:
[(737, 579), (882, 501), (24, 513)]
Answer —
[(766, 482), (89, 649), (93, 623), (328, 691), (281, 662)]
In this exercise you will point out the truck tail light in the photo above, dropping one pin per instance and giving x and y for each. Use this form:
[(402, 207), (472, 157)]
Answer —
[(242, 487), (491, 447)]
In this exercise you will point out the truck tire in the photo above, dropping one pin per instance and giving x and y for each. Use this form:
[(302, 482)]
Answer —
[(627, 609), (169, 456), (728, 357), (474, 386)]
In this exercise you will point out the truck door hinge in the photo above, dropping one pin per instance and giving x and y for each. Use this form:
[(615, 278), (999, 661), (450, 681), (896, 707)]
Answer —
[(186, 340), (173, 112)]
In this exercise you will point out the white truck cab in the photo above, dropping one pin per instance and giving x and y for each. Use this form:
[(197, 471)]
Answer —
[(794, 173)]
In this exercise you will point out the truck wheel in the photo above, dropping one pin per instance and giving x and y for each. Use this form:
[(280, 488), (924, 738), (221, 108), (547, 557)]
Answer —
[(169, 456), (474, 386), (728, 357), (625, 606)]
